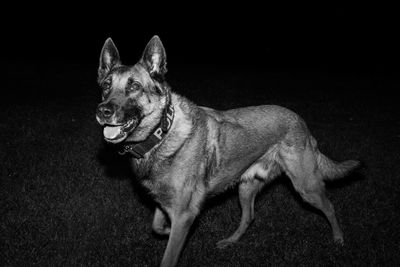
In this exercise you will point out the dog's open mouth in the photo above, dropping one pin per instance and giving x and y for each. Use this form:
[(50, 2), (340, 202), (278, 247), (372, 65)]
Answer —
[(118, 133)]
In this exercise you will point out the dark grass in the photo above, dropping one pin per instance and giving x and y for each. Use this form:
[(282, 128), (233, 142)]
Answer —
[(67, 199)]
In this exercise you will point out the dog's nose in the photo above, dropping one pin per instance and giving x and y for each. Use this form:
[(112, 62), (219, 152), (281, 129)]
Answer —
[(105, 110)]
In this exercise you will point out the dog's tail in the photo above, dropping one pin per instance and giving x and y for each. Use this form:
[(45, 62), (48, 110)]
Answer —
[(332, 170)]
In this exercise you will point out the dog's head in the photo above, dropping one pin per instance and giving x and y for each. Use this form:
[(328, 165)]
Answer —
[(133, 97)]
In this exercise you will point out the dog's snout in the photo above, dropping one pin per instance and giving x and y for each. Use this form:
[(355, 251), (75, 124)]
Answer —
[(105, 110)]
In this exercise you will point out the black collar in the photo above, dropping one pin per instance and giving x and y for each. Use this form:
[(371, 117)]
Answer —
[(139, 149)]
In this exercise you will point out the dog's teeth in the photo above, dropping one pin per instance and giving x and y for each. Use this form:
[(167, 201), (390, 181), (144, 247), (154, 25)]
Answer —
[(128, 124)]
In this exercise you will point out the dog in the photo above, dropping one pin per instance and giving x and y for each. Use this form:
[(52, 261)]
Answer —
[(184, 153)]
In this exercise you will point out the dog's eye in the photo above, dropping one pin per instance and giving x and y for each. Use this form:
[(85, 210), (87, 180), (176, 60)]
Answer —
[(132, 85), (106, 84)]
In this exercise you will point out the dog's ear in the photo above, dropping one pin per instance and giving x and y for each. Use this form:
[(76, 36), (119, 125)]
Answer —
[(109, 58), (154, 58)]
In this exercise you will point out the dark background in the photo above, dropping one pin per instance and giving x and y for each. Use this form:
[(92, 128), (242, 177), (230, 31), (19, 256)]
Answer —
[(67, 198), (356, 38)]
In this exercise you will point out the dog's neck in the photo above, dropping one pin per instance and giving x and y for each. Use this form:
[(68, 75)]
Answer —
[(139, 149)]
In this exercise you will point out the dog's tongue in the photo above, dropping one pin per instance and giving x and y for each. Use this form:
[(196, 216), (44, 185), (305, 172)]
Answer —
[(111, 132)]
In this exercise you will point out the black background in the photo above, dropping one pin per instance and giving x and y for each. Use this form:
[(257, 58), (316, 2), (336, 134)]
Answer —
[(334, 38)]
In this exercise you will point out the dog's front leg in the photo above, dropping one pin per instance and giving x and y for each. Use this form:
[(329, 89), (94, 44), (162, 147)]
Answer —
[(180, 225)]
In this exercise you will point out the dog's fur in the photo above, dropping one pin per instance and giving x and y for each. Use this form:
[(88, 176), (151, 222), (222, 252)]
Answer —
[(206, 151)]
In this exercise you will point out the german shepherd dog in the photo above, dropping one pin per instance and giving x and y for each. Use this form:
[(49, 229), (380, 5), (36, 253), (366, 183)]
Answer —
[(184, 153)]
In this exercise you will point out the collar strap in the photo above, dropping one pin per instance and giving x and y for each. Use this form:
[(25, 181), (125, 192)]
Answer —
[(139, 149)]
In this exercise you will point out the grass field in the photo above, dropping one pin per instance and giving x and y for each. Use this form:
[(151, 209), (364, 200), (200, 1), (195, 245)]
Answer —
[(67, 199)]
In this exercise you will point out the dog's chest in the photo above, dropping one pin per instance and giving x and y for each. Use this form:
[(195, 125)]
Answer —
[(161, 191), (150, 176)]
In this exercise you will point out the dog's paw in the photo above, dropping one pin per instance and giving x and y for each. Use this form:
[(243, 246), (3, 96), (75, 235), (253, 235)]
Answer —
[(225, 243), (162, 231), (338, 240)]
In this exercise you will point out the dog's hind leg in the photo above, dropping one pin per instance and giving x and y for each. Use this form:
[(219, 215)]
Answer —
[(247, 193), (301, 167)]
